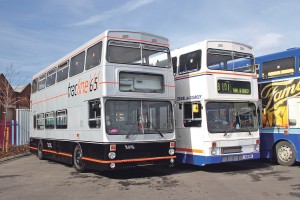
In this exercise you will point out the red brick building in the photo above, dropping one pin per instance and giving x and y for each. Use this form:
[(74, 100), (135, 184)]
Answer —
[(23, 94)]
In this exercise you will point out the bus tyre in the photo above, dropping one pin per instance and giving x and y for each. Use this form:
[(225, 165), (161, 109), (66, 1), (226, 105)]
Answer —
[(77, 159), (285, 153), (40, 150)]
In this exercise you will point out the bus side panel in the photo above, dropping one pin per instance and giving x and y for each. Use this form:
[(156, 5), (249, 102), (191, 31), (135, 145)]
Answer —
[(269, 139), (95, 155), (54, 149)]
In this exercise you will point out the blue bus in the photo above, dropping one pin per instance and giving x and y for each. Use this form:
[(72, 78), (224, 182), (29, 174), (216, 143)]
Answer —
[(279, 93)]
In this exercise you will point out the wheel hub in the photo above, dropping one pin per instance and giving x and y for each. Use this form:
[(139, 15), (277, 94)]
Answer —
[(285, 153)]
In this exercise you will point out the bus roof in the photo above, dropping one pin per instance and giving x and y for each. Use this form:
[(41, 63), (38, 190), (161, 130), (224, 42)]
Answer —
[(295, 51), (117, 34), (195, 45)]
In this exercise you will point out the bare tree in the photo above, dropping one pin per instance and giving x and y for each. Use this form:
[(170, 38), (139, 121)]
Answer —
[(9, 83)]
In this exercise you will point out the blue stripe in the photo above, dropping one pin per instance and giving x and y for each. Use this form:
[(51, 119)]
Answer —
[(204, 160), (269, 137), (280, 130)]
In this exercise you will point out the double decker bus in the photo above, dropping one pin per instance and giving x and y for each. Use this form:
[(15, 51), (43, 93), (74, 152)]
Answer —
[(217, 101), (279, 92), (106, 105)]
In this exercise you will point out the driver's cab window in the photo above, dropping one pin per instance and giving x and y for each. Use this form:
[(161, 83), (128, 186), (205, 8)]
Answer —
[(94, 113), (192, 114)]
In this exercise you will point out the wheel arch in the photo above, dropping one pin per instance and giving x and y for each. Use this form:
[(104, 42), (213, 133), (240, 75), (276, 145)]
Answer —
[(274, 152)]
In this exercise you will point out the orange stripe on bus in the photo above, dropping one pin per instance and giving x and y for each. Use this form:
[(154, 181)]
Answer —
[(33, 148), (190, 150), (128, 160), (108, 83), (110, 161), (58, 153), (171, 86), (50, 98)]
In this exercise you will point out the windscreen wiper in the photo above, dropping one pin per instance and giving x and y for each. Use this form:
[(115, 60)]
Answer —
[(149, 122), (130, 131)]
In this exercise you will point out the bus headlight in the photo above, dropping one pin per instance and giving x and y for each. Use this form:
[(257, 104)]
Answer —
[(256, 147), (112, 165), (213, 151), (111, 155), (171, 152)]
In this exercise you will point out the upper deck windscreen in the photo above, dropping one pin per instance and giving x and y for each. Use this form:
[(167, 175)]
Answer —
[(218, 59)]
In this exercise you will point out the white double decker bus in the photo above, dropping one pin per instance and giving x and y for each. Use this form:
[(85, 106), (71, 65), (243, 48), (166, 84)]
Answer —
[(107, 104), (217, 97)]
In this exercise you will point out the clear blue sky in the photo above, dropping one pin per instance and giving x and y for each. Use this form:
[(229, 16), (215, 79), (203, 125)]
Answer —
[(35, 33)]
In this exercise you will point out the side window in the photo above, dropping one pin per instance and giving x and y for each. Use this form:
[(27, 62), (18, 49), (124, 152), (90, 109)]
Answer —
[(50, 120), (62, 71), (190, 62), (278, 68), (299, 64), (40, 121), (77, 64), (257, 70), (61, 119), (174, 65), (42, 82), (93, 56), (34, 86), (192, 114), (34, 121), (51, 77), (94, 113)]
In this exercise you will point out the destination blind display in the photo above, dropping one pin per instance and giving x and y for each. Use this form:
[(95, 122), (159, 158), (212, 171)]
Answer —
[(233, 87)]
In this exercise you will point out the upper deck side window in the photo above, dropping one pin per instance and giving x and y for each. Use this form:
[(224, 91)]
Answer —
[(51, 77), (62, 71), (190, 62), (138, 54), (34, 86), (218, 59), (42, 82), (77, 64), (278, 68), (93, 57)]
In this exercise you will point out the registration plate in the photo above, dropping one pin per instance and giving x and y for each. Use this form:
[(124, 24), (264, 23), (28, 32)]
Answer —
[(249, 156)]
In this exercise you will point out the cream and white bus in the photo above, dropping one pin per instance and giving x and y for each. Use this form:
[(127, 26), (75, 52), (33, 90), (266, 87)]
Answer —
[(107, 104), (217, 102)]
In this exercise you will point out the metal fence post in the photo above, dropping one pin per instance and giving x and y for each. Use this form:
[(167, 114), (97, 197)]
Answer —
[(12, 133)]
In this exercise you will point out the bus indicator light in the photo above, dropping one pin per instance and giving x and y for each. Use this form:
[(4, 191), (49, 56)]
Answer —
[(172, 144), (213, 144), (113, 147)]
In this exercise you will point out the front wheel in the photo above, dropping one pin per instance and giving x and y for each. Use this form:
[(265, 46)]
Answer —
[(77, 159), (285, 153)]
